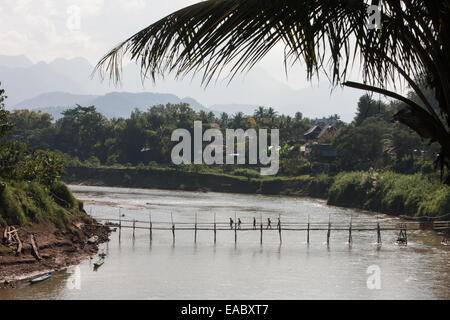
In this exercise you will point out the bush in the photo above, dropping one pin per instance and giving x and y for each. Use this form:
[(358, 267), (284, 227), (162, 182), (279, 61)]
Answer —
[(80, 205), (392, 193), (75, 163), (437, 203), (60, 219), (93, 162), (427, 167), (295, 167), (152, 164), (112, 159), (10, 207), (42, 202), (62, 195), (320, 185), (347, 190), (249, 173), (141, 166)]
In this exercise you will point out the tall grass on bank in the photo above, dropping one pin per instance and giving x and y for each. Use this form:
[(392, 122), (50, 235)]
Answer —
[(391, 193), (26, 203)]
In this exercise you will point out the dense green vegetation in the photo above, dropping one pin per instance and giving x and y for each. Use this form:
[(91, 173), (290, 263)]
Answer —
[(371, 146), (392, 193), (30, 190), (84, 136), (388, 192)]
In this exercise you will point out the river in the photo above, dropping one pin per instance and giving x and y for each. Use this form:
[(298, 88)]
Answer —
[(293, 270)]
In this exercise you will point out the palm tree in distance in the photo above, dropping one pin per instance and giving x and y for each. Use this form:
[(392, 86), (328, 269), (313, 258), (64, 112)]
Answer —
[(412, 46)]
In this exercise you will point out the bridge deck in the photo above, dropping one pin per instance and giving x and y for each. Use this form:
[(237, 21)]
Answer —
[(401, 226)]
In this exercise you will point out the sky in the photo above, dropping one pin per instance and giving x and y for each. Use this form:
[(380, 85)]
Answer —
[(47, 29), (44, 30)]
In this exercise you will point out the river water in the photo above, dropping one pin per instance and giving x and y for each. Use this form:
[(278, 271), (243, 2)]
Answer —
[(293, 270)]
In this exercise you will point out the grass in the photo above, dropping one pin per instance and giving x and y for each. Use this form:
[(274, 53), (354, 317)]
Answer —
[(27, 203), (392, 193)]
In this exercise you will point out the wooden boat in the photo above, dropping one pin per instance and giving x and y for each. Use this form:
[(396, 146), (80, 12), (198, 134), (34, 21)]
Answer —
[(42, 278), (99, 262), (93, 240)]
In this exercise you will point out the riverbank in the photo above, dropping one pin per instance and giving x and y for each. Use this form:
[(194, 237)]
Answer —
[(57, 250), (43, 229), (171, 179), (386, 192)]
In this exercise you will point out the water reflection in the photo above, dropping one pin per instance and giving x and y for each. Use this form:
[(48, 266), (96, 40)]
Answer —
[(160, 269)]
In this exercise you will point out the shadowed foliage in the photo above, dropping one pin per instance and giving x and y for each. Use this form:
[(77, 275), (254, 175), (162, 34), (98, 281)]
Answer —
[(327, 35)]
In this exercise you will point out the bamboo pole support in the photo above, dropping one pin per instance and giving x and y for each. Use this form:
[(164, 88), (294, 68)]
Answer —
[(173, 228), (261, 241), (378, 233), (215, 229), (350, 238), (279, 229), (329, 231), (120, 226), (309, 227), (151, 227), (173, 233), (195, 236)]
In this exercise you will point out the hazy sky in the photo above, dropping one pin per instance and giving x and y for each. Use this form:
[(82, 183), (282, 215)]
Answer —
[(47, 29)]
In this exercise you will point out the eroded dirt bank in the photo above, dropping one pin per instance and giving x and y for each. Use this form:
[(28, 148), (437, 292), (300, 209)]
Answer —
[(57, 250)]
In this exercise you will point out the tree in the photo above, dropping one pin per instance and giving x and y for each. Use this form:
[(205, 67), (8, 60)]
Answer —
[(82, 131), (34, 128), (367, 107), (5, 125), (360, 147), (412, 43)]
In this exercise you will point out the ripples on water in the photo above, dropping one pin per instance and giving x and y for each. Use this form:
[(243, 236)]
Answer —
[(294, 270)]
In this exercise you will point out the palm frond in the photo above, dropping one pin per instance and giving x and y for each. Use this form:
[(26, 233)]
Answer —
[(327, 35), (210, 35)]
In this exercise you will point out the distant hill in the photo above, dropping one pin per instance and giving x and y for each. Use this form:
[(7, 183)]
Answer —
[(25, 81), (15, 61), (55, 99), (115, 104)]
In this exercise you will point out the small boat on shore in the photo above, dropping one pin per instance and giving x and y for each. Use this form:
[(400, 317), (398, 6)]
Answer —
[(93, 240), (99, 263), (41, 278)]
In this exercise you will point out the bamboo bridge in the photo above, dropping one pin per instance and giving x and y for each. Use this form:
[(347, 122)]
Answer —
[(262, 226)]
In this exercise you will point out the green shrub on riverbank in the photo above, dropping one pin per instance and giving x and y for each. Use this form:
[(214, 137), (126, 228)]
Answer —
[(62, 195), (391, 193), (436, 203), (387, 192), (25, 203)]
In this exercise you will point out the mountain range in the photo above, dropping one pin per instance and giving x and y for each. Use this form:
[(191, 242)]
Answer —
[(114, 104), (63, 83)]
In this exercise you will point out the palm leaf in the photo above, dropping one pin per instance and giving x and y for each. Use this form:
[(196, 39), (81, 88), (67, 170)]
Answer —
[(233, 35)]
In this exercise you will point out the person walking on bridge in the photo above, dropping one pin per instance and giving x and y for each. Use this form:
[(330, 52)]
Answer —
[(254, 223), (269, 223), (239, 223), (231, 224)]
